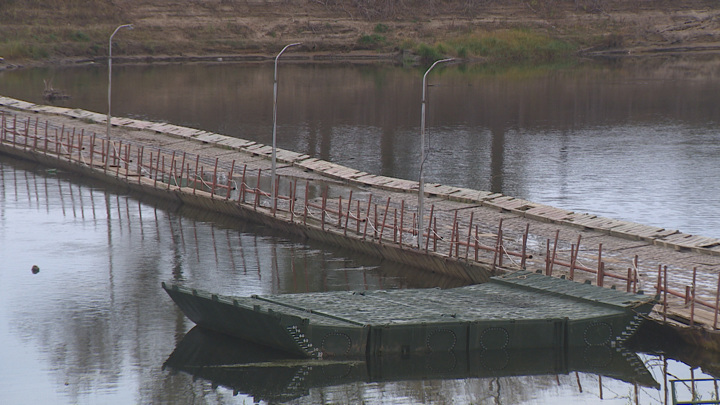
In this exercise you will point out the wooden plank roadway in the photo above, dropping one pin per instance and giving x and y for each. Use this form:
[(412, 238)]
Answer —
[(621, 241)]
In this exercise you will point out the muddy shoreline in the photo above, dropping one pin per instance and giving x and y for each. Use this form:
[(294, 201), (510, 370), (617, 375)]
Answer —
[(398, 58)]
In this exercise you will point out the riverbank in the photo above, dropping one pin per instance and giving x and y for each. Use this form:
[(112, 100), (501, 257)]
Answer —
[(506, 31)]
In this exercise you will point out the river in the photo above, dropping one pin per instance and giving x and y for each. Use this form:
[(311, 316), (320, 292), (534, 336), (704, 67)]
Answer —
[(631, 139), (634, 140)]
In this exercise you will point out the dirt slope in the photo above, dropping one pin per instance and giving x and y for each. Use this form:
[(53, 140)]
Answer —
[(61, 29)]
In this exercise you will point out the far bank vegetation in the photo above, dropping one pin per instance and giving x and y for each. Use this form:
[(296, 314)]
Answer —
[(511, 30)]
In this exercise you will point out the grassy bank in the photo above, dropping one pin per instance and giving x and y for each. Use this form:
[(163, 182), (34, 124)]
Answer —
[(503, 46), (507, 31), (43, 29)]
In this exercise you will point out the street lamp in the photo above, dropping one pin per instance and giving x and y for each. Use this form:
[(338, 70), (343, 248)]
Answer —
[(274, 134), (128, 26), (421, 189)]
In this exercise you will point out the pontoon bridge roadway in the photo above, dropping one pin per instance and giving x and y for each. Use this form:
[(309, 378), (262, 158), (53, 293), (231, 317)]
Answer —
[(473, 233)]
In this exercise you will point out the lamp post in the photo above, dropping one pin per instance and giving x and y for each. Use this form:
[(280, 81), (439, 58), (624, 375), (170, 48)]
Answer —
[(128, 26), (274, 134), (421, 188)]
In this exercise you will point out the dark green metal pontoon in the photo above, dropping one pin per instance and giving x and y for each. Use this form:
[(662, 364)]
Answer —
[(521, 310)]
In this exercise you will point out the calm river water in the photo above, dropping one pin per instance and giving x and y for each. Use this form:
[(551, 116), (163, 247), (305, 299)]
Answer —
[(630, 140)]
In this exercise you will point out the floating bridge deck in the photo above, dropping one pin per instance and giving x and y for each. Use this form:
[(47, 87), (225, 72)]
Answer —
[(472, 234)]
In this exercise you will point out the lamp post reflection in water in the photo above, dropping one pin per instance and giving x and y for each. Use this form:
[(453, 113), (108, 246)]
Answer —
[(128, 26), (274, 134), (421, 188)]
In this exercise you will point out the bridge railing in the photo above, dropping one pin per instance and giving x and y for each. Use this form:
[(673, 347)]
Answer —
[(383, 222)]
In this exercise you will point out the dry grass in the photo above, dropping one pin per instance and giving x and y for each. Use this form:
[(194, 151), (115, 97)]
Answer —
[(511, 30)]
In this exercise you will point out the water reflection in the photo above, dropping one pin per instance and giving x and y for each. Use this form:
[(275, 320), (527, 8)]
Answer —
[(629, 139), (94, 326), (92, 315), (271, 376)]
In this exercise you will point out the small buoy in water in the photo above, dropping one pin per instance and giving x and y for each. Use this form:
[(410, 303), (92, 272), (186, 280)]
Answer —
[(35, 269)]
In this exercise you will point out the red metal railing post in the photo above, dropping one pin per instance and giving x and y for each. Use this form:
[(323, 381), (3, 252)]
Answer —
[(457, 239), (430, 229), (456, 231), (665, 284), (128, 149), (307, 188), (151, 167), (477, 240), (140, 163), (163, 171), (385, 214), (292, 201), (27, 132), (2, 131), (92, 148), (347, 215), (501, 246), (117, 166), (324, 205), (498, 242), (197, 163), (367, 216), (232, 169), (395, 224), (692, 303), (554, 253), (35, 139), (81, 139), (241, 195), (182, 169), (376, 224), (71, 141), (600, 268), (548, 270), (635, 273), (257, 190), (172, 175), (573, 255), (435, 239), (402, 222), (470, 227), (340, 211), (629, 279), (524, 246), (452, 235), (717, 303), (215, 176)]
